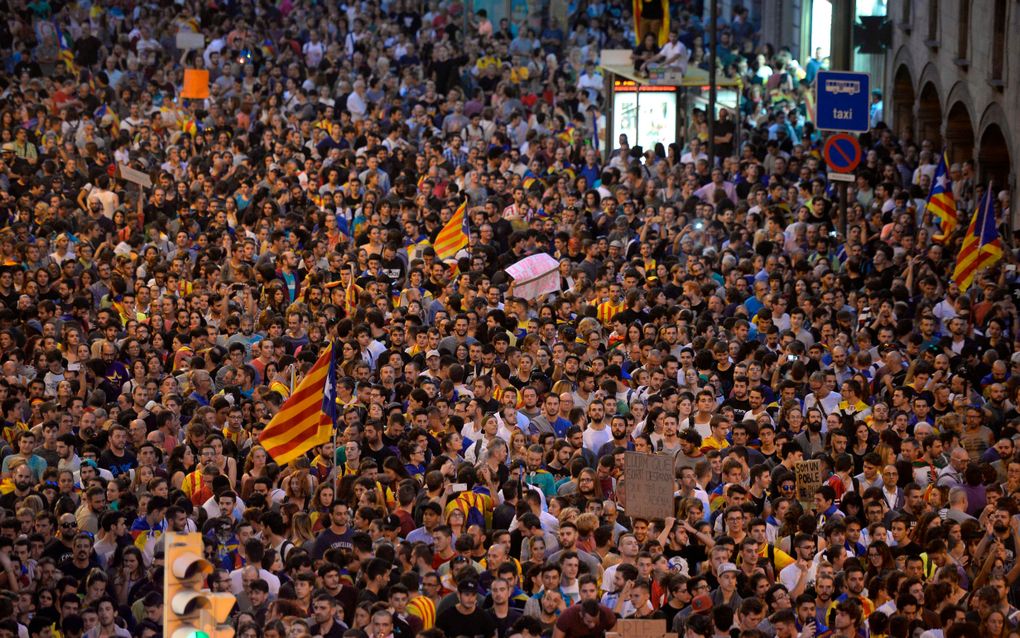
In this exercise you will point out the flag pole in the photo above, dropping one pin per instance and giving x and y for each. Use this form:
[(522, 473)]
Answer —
[(336, 431)]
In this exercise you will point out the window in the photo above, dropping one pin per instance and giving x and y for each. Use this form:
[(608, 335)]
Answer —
[(933, 20), (907, 11), (999, 41), (962, 40)]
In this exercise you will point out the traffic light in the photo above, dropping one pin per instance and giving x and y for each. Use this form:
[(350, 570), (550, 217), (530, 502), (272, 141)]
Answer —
[(190, 610)]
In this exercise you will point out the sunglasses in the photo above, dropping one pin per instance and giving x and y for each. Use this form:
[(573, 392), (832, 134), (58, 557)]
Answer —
[(69, 525)]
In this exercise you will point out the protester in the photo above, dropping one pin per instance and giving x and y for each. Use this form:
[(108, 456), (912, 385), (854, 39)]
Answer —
[(326, 236)]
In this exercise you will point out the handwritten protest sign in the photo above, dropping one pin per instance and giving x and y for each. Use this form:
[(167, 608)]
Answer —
[(809, 479), (535, 276), (649, 485)]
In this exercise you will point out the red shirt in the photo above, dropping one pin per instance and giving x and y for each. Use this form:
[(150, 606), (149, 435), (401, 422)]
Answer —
[(572, 624)]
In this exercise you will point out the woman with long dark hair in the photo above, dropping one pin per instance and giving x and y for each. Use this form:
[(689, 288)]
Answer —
[(879, 559)]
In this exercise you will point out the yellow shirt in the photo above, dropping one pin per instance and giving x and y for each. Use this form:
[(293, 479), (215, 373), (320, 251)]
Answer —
[(711, 443), (780, 559)]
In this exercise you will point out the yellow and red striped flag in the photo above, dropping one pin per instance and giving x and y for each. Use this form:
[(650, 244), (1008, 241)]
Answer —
[(663, 35), (454, 234), (941, 203), (351, 294), (981, 246), (308, 417)]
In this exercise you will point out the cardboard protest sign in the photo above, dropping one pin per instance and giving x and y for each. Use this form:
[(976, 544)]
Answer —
[(129, 174), (640, 628), (649, 485), (809, 479), (196, 84)]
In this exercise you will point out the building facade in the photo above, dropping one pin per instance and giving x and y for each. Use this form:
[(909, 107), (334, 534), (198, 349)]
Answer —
[(954, 77)]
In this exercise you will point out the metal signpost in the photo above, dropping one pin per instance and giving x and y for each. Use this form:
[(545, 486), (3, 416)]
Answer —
[(842, 101), (842, 154)]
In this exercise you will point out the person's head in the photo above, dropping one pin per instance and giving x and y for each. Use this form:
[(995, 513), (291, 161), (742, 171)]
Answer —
[(382, 623), (323, 608), (467, 594)]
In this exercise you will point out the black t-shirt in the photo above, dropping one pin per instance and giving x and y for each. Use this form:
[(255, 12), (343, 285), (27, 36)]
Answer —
[(477, 624), (57, 551), (725, 127), (394, 268), (328, 539), (378, 455), (740, 407), (117, 464), (87, 49), (503, 625), (651, 9), (68, 568), (335, 631), (668, 612), (910, 549)]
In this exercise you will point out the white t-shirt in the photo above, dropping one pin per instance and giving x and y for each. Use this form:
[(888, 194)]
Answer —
[(313, 52), (689, 158), (237, 586), (595, 439), (677, 48), (357, 106), (791, 574)]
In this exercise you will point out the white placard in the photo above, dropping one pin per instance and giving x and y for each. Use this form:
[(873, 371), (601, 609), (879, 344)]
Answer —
[(129, 174), (188, 40)]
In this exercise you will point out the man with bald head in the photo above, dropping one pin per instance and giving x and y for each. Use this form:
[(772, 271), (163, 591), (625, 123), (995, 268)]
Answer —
[(975, 437), (137, 433), (952, 474), (566, 405), (997, 405), (116, 374)]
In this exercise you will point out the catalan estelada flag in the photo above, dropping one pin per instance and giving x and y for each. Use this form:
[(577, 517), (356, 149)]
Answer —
[(102, 112), (65, 54), (941, 202), (663, 34), (981, 246), (454, 234), (308, 417)]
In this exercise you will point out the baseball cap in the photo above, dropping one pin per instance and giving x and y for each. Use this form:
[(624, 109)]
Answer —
[(431, 353), (725, 568), (678, 564), (701, 604), (467, 587)]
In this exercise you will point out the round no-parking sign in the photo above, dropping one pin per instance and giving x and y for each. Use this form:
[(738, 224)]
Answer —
[(842, 153)]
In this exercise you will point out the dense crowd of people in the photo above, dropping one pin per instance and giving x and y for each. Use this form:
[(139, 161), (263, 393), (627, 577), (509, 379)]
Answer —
[(709, 309)]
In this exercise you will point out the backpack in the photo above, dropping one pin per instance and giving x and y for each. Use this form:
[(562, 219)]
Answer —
[(472, 505)]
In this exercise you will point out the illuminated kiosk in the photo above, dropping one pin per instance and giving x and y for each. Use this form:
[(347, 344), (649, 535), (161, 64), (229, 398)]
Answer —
[(646, 109)]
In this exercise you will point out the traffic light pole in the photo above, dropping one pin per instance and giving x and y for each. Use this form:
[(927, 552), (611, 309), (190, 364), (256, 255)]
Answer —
[(190, 610)]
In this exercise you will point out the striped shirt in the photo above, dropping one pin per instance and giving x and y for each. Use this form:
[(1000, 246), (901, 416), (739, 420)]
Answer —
[(423, 608)]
